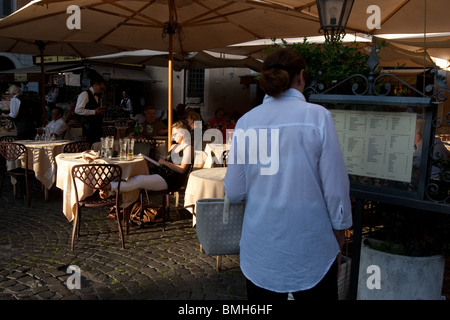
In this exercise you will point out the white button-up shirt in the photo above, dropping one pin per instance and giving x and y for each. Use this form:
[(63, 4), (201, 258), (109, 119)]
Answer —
[(14, 107), (293, 203), (82, 101), (56, 127)]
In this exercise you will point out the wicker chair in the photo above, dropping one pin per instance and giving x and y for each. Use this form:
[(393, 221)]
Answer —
[(109, 131), (12, 151), (8, 138), (96, 176), (149, 142), (77, 146)]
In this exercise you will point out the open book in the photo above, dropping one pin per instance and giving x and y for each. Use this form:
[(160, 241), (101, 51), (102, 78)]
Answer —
[(149, 159)]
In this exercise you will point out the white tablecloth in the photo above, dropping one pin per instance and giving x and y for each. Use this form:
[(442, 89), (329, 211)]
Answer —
[(64, 181), (204, 183), (41, 159)]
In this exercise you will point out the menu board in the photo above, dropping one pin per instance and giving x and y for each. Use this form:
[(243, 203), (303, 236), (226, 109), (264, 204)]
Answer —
[(377, 144)]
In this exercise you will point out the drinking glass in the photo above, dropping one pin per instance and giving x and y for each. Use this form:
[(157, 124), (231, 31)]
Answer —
[(110, 146), (130, 149), (123, 149), (103, 146)]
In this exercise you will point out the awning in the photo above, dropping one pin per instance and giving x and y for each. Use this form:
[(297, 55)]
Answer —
[(116, 72), (47, 68), (33, 73)]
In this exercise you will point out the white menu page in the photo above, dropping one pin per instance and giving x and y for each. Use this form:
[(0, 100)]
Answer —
[(377, 144)]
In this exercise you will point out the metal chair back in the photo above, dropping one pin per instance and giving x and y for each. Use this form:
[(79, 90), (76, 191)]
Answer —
[(77, 146), (109, 131), (96, 177), (8, 138), (12, 151)]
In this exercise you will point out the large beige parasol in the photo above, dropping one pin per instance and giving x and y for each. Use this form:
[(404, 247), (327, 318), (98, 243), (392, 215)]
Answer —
[(395, 16), (194, 60), (54, 48), (179, 26)]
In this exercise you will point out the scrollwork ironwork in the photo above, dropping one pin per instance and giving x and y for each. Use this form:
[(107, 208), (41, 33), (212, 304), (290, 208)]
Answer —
[(436, 187)]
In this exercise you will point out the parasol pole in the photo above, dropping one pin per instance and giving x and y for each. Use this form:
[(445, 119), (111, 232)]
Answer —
[(170, 84), (41, 46), (171, 31), (424, 44)]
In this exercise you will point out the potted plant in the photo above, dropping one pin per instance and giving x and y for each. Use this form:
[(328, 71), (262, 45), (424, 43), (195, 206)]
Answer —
[(404, 260)]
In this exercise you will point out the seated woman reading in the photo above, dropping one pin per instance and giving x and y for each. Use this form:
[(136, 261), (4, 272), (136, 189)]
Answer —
[(169, 174)]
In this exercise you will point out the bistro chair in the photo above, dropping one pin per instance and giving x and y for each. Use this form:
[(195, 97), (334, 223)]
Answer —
[(12, 151), (8, 138), (109, 131), (3, 160), (145, 145), (77, 146), (96, 176)]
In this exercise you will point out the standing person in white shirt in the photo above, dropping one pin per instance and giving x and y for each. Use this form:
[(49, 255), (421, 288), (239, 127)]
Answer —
[(89, 107), (125, 103), (57, 127), (21, 113), (296, 215)]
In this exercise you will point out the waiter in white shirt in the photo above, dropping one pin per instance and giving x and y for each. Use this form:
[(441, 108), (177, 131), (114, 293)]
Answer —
[(125, 103), (91, 111)]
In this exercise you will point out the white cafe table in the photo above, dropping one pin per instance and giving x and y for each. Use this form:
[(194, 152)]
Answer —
[(41, 159), (204, 183), (66, 161)]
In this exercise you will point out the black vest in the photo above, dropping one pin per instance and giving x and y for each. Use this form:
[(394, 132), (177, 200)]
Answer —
[(24, 120), (92, 103), (92, 125)]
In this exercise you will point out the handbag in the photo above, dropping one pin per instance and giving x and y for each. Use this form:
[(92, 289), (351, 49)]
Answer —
[(219, 225)]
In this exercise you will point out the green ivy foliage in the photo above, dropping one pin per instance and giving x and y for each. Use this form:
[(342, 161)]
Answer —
[(331, 62)]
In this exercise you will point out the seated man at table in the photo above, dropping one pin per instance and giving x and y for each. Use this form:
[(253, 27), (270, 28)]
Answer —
[(57, 127), (171, 172), (151, 125)]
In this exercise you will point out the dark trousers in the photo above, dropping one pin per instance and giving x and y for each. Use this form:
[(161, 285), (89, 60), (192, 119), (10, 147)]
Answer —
[(28, 134), (92, 131), (326, 289)]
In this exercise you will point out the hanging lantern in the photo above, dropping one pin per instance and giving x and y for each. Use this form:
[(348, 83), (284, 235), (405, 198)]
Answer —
[(333, 15)]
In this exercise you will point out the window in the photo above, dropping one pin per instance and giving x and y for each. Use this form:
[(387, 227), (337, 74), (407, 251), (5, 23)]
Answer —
[(7, 7), (195, 86)]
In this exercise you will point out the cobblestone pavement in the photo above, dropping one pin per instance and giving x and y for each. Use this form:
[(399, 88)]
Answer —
[(158, 265), (162, 265)]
